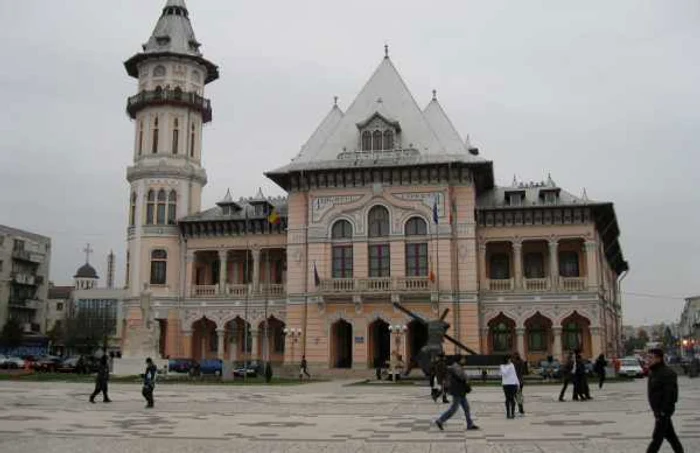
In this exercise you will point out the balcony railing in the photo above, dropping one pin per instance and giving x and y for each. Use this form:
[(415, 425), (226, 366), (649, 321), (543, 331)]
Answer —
[(238, 290), (503, 284), (205, 290), (273, 289), (375, 285), (169, 97), (572, 283), (25, 304), (536, 284), (26, 255), (24, 279)]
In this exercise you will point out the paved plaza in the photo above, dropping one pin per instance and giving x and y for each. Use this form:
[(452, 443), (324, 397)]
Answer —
[(327, 417)]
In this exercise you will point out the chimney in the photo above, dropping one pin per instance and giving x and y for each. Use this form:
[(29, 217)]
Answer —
[(110, 270)]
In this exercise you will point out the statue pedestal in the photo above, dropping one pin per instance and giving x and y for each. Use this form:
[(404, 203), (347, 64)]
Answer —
[(140, 343), (134, 366)]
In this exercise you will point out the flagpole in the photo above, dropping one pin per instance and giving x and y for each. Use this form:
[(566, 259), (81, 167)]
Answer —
[(437, 249)]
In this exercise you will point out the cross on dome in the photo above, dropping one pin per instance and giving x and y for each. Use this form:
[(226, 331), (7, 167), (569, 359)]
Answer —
[(88, 250)]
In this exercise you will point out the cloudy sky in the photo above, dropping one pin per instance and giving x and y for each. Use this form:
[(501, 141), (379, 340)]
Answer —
[(602, 95)]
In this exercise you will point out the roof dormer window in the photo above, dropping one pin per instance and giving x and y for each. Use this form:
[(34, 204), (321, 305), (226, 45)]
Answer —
[(378, 133), (515, 198), (549, 196)]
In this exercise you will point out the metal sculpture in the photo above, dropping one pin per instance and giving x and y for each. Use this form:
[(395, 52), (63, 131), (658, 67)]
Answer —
[(437, 333)]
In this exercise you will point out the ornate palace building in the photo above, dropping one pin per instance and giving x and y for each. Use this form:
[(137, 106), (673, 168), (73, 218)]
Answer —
[(385, 202)]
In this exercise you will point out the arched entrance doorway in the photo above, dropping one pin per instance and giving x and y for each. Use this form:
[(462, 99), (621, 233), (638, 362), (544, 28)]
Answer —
[(379, 343), (235, 341), (341, 344), (204, 339), (501, 335), (272, 346), (538, 337), (417, 337), (575, 335)]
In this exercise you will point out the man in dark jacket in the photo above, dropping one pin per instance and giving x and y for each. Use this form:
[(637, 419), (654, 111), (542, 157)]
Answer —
[(566, 375), (521, 371), (662, 390), (101, 381), (149, 382), (458, 387), (441, 377)]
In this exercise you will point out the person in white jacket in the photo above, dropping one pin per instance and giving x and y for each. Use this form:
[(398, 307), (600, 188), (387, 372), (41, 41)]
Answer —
[(511, 384)]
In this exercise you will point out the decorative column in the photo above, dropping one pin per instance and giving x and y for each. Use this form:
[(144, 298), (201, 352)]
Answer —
[(233, 346), (520, 332), (596, 346), (556, 348), (256, 269), (223, 270), (187, 343), (189, 273), (592, 265), (484, 341), (518, 263), (554, 263), (482, 267), (220, 343), (254, 344)]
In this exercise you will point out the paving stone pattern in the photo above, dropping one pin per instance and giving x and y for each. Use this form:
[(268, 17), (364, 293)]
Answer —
[(328, 417)]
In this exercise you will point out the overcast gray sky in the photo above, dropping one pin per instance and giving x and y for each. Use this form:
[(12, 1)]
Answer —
[(604, 95)]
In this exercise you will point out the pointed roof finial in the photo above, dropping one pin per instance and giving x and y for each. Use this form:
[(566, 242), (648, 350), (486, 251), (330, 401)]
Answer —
[(515, 181), (335, 101), (584, 196), (386, 50), (550, 181), (434, 95), (228, 197)]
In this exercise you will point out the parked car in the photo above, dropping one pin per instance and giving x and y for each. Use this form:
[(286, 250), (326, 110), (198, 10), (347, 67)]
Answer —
[(47, 364), (242, 371), (180, 365), (630, 367), (12, 363), (213, 366), (550, 370)]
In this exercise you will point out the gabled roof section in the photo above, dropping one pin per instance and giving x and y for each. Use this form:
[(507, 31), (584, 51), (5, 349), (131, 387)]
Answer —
[(382, 116), (443, 127), (385, 87), (323, 131)]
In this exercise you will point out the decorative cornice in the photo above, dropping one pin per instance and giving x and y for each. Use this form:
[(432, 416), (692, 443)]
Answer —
[(166, 170)]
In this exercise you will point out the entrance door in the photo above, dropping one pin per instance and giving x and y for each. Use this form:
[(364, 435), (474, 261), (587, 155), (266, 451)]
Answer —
[(341, 334), (379, 343)]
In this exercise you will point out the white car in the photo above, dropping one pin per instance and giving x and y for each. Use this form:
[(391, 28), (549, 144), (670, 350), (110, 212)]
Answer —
[(630, 368), (13, 363)]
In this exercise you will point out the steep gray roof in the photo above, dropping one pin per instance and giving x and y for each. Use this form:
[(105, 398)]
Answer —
[(443, 127), (86, 271), (173, 32), (247, 211), (386, 94), (496, 197)]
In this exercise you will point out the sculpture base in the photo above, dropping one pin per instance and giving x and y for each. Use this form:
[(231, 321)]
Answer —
[(134, 366)]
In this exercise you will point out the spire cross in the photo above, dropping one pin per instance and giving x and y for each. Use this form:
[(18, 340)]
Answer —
[(335, 100), (386, 50), (88, 250), (434, 95)]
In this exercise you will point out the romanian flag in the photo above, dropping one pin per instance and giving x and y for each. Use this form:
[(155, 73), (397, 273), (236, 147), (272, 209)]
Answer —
[(435, 210), (431, 276), (274, 217)]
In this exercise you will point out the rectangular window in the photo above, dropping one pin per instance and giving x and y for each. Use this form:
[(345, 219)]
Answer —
[(417, 260), (18, 245), (568, 264), (141, 141), (278, 341), (126, 276), (0, 266), (379, 260), (59, 306), (534, 265), (158, 269), (500, 266), (154, 147), (176, 137), (342, 261), (161, 214), (149, 213)]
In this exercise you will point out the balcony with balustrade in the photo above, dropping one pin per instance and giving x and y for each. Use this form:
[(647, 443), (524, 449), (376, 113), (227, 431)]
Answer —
[(176, 97), (376, 286), (537, 266)]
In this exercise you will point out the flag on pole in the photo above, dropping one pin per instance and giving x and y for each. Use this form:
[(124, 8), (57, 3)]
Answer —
[(431, 276), (317, 279), (435, 210), (274, 217)]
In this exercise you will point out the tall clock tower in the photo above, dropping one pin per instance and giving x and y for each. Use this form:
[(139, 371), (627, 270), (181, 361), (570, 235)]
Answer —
[(166, 178)]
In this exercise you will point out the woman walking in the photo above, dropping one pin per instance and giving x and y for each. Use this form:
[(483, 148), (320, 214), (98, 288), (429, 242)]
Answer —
[(599, 368), (511, 385)]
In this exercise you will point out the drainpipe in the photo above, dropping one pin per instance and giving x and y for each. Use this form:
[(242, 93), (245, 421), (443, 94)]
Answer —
[(619, 298)]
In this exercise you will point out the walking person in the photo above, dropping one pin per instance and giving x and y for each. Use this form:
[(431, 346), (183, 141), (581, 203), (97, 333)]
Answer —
[(599, 368), (441, 379), (521, 371), (581, 391), (149, 382), (304, 369), (101, 381), (567, 376), (662, 391), (458, 387), (511, 385)]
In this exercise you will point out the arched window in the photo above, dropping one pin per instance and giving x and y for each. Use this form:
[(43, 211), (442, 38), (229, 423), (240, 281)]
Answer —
[(176, 135), (342, 229), (366, 141), (154, 144), (192, 139), (140, 144), (378, 221), (159, 266), (502, 338), (536, 337), (342, 254), (388, 140), (159, 71), (150, 207), (377, 141), (132, 209), (178, 94), (160, 213), (572, 337), (195, 76), (172, 207), (415, 226), (500, 266)]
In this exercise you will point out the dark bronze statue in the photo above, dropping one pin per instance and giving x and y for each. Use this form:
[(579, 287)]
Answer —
[(437, 333)]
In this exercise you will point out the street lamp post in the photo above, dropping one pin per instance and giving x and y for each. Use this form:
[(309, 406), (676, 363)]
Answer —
[(294, 334), (397, 330)]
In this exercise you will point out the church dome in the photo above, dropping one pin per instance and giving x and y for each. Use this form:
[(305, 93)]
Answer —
[(86, 271)]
